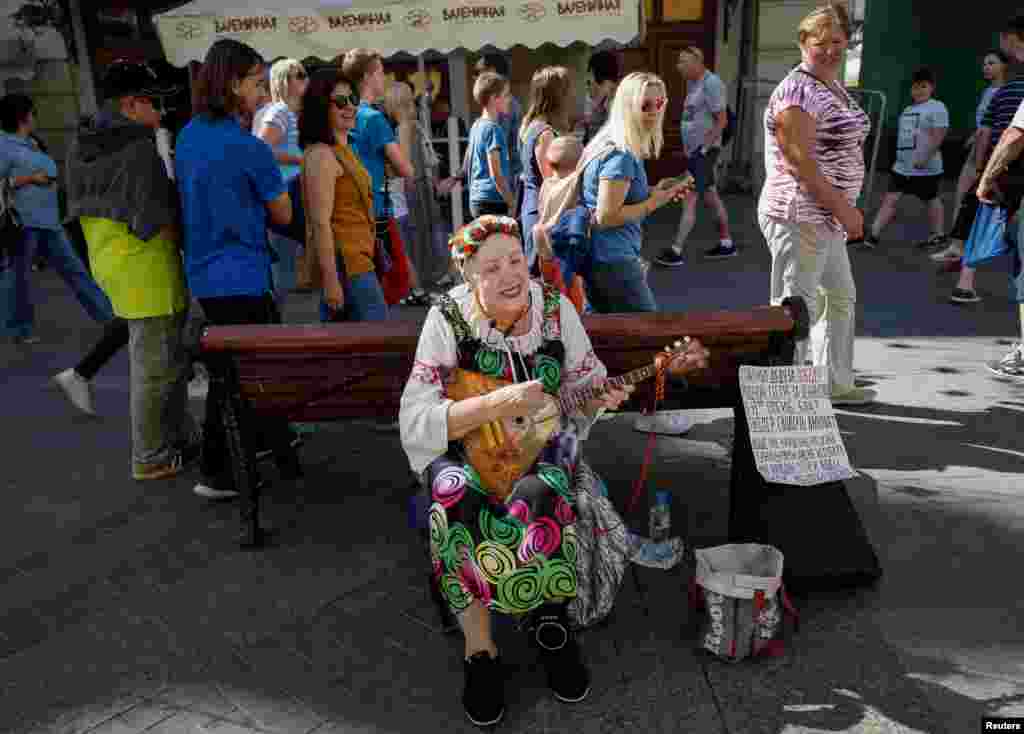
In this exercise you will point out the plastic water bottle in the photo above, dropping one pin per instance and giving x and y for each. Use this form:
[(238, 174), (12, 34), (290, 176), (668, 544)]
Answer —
[(661, 517)]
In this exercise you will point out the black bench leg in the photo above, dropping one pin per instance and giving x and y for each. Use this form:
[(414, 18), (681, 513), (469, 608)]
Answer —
[(243, 465)]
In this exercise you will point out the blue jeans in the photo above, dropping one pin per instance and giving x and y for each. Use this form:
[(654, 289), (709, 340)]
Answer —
[(619, 287), (1017, 254), (283, 269), (17, 310), (364, 300)]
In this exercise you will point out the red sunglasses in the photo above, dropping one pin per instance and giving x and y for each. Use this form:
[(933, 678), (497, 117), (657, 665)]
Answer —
[(654, 105)]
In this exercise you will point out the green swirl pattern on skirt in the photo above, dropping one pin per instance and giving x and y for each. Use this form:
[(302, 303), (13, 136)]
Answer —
[(548, 371), (459, 541), (559, 578), (438, 530), (521, 591), (507, 530), (454, 592), (490, 362)]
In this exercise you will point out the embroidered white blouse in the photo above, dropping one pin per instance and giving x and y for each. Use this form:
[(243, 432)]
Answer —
[(423, 415)]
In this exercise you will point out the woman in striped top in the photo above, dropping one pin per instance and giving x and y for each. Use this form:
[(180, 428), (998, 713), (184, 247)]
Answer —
[(277, 124), (814, 159)]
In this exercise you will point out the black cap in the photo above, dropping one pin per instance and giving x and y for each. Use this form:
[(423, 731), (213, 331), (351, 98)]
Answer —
[(127, 78)]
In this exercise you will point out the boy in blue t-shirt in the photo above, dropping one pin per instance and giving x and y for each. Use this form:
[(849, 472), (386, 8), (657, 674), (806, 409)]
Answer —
[(372, 138), (490, 183)]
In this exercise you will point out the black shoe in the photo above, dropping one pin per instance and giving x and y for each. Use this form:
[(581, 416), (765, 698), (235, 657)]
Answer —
[(720, 252), (191, 449), (296, 441), (289, 466), (936, 240), (963, 295), (568, 677), (669, 258), (484, 695), (869, 243)]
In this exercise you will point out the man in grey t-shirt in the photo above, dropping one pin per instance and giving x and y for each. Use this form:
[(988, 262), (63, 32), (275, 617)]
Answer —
[(704, 119)]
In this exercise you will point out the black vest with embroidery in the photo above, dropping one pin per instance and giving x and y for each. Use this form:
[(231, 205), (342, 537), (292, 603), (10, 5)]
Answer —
[(546, 364)]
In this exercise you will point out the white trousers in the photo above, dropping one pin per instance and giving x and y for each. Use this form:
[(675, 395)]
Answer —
[(811, 261)]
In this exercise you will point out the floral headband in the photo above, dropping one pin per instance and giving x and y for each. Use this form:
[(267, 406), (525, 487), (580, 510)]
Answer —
[(465, 243)]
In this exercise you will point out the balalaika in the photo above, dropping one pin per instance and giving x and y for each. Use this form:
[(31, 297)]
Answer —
[(502, 451)]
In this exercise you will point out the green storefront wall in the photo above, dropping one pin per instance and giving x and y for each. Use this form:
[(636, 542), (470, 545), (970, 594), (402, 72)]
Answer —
[(903, 35)]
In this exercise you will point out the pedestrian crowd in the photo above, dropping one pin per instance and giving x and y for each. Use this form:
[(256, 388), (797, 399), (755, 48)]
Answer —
[(330, 177)]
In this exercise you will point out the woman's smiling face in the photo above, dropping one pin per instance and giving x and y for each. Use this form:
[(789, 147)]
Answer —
[(500, 276), (343, 118)]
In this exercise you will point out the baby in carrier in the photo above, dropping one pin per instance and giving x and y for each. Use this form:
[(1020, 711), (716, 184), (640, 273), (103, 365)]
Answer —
[(563, 155)]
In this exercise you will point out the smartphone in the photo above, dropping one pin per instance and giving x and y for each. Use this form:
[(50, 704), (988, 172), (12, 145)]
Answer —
[(675, 181)]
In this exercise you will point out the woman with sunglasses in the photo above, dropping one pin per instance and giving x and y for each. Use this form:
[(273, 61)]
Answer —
[(277, 124), (615, 189), (338, 193)]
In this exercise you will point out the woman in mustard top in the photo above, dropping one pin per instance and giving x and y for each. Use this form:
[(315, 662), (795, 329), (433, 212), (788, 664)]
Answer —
[(339, 202)]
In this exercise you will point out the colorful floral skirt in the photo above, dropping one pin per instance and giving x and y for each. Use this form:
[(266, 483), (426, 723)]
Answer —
[(512, 556), (556, 539)]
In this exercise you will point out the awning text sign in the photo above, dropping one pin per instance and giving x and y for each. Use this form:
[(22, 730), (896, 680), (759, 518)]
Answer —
[(411, 26)]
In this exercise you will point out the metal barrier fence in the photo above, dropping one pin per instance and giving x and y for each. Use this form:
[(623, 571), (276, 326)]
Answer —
[(747, 163)]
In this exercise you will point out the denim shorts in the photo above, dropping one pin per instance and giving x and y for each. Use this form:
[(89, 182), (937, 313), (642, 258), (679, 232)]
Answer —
[(702, 167)]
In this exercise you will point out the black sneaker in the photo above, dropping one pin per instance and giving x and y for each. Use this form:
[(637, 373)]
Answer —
[(192, 448), (568, 677), (484, 695), (964, 295), (936, 240), (720, 252), (868, 243), (296, 441), (669, 258)]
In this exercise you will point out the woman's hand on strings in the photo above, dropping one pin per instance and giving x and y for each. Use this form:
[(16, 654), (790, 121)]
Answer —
[(614, 396), (517, 401)]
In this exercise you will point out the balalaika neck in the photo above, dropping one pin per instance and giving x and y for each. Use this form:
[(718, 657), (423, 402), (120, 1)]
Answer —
[(570, 402)]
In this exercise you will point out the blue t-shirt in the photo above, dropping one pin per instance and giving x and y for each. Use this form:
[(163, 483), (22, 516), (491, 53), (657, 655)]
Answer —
[(510, 123), (37, 205), (368, 138), (622, 242), (485, 136), (226, 176)]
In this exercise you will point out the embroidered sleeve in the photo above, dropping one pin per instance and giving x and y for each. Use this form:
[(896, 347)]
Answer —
[(423, 415), (582, 365), (426, 374)]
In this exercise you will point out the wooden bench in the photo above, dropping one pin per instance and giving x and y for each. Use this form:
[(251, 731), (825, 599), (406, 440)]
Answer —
[(358, 370)]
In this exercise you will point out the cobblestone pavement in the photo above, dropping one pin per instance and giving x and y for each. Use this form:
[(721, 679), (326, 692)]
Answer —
[(128, 607)]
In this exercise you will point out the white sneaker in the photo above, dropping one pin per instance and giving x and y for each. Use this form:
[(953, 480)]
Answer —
[(666, 422), (77, 389), (198, 388), (1012, 365), (212, 493), (854, 396)]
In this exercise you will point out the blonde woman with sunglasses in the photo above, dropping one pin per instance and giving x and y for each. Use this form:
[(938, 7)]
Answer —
[(616, 190)]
